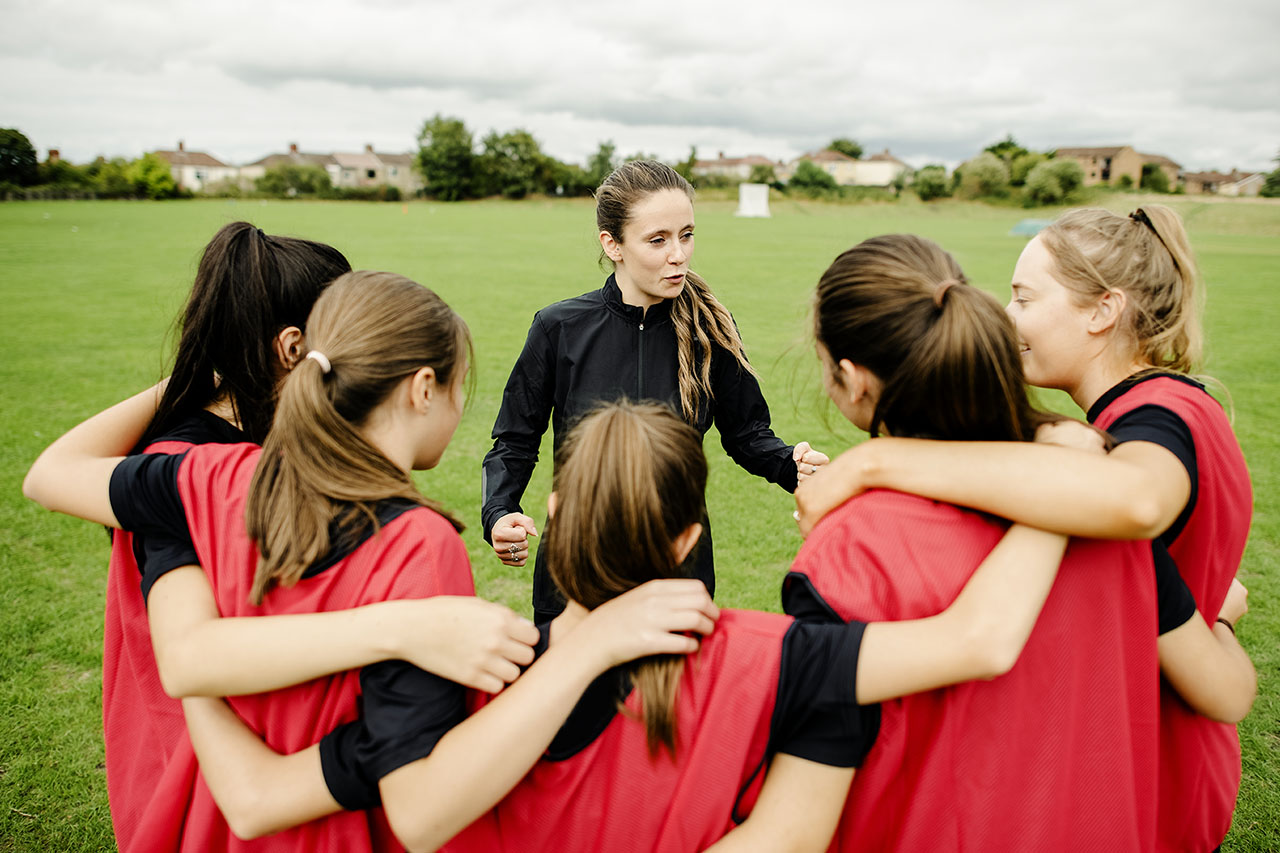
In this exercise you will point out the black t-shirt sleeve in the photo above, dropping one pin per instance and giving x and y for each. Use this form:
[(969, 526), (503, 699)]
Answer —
[(406, 712), (1175, 601), (1165, 428), (817, 716), (348, 783), (145, 499)]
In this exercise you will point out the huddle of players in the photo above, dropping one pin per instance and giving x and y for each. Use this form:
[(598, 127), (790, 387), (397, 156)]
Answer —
[(275, 484)]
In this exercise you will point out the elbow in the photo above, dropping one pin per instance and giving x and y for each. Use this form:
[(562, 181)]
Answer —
[(175, 675), (1145, 518), (1239, 702), (248, 813), (33, 485), (995, 650)]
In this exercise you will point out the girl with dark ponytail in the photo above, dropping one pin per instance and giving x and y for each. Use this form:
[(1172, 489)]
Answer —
[(325, 517), (654, 332), (1060, 752), (1107, 308)]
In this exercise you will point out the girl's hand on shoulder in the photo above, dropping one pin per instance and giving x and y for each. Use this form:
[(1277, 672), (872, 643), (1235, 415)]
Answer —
[(652, 619), (465, 639), (1236, 603), (807, 460), (1073, 434)]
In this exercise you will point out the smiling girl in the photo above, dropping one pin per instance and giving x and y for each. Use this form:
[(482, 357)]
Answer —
[(653, 332)]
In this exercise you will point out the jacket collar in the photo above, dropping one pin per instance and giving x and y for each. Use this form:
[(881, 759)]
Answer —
[(633, 313)]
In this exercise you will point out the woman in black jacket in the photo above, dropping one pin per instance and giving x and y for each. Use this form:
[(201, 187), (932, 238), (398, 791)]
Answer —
[(653, 332)]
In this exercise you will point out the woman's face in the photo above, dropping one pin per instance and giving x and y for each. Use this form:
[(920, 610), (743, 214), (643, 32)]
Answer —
[(653, 256), (1052, 329)]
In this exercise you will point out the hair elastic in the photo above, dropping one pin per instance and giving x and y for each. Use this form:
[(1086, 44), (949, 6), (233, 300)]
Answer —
[(940, 292), (320, 359), (1140, 216)]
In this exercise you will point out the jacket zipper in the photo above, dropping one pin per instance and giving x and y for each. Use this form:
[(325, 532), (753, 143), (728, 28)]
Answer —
[(640, 368)]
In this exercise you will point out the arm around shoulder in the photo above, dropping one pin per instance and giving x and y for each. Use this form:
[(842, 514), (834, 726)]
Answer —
[(798, 809)]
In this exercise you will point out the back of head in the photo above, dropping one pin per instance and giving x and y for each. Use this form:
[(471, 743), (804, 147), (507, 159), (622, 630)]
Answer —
[(248, 287), (1147, 256), (700, 320), (630, 479), (945, 352), (373, 329)]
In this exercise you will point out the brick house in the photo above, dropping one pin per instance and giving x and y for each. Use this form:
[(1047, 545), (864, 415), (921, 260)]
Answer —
[(1233, 183), (1111, 164)]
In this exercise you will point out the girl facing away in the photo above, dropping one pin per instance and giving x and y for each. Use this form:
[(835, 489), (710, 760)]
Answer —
[(323, 518), (1060, 752), (1107, 308), (654, 331)]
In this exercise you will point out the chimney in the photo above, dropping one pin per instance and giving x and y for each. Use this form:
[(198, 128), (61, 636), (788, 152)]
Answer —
[(54, 156), (182, 146), (368, 148), (293, 148), (720, 154)]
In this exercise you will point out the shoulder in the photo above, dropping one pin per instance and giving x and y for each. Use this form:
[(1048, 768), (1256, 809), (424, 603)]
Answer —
[(421, 542), (221, 461), (200, 427), (570, 310)]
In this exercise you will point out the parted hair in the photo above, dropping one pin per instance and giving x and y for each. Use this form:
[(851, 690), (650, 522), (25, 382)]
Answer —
[(630, 478), (700, 321), (248, 286), (945, 352), (318, 475), (1148, 256)]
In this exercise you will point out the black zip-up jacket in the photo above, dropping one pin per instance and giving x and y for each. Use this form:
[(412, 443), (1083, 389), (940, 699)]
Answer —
[(595, 349)]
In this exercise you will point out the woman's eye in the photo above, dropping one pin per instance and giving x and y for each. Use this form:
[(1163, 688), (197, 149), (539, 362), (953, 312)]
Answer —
[(656, 241)]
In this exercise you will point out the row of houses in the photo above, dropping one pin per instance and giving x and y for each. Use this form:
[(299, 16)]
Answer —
[(198, 171), (1105, 165), (877, 170)]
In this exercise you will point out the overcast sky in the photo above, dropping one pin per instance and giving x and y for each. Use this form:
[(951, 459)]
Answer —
[(932, 80)]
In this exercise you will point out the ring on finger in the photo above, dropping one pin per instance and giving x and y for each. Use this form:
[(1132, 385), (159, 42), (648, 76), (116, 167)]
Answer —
[(513, 549)]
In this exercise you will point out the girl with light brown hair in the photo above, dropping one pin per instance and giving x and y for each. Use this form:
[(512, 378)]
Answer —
[(654, 331), (325, 517), (1106, 308)]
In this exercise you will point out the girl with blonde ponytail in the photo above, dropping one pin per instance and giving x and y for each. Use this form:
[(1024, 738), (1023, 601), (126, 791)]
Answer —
[(654, 332), (326, 518), (1107, 308)]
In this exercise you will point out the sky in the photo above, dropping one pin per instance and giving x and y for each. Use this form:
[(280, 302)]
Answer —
[(930, 80)]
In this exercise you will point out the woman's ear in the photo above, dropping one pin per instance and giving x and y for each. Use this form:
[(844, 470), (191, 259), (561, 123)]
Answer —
[(857, 380), (685, 541), (422, 385), (1108, 310), (612, 248), (289, 346)]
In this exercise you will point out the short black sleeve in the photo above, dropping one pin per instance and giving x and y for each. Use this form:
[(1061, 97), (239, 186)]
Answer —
[(406, 712), (1175, 602), (1162, 426), (145, 499), (817, 716), (350, 785)]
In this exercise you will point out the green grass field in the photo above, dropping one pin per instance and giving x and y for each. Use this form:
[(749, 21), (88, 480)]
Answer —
[(88, 292)]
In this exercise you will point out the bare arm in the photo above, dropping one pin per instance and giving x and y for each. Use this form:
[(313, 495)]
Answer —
[(980, 635), (1207, 665), (257, 790), (467, 640), (73, 474), (1135, 492), (798, 809)]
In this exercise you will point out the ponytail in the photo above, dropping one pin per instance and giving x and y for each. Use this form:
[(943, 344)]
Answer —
[(1148, 256), (248, 286), (945, 352), (630, 479), (700, 321), (318, 477)]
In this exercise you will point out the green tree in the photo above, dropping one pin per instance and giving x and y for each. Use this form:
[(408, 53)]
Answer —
[(812, 180), (293, 179), (762, 173), (64, 174), (18, 161), (847, 147), (1271, 186), (512, 164), (1154, 178), (685, 166), (985, 176), (602, 163), (151, 177), (570, 179), (446, 158), (1007, 149), (1052, 181), (1069, 173), (1022, 165), (931, 182), (108, 178)]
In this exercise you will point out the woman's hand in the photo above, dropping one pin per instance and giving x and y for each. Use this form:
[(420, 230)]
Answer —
[(839, 481), (1236, 603), (510, 537), (465, 639), (651, 619), (1073, 434), (807, 460)]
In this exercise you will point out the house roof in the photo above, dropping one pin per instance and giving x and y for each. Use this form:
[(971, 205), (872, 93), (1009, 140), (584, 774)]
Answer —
[(189, 158), (749, 160), (397, 159), (1159, 160), (827, 155), (295, 157), (885, 157), (1208, 177), (1109, 151), (363, 160)]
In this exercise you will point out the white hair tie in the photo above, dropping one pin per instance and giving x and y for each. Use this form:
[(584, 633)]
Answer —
[(321, 359)]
